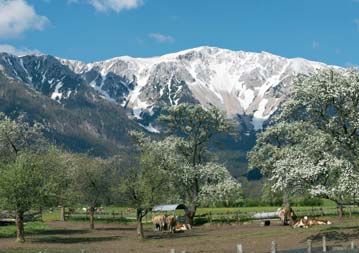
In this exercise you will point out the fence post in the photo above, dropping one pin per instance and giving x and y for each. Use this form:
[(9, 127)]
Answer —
[(309, 242), (274, 247), (352, 245), (324, 244), (83, 251), (172, 251), (239, 248)]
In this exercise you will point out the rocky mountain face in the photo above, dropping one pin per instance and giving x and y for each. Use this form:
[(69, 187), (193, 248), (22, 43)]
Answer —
[(85, 123), (241, 83), (248, 86)]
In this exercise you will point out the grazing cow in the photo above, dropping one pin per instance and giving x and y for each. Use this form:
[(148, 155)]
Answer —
[(305, 222), (159, 222), (171, 223)]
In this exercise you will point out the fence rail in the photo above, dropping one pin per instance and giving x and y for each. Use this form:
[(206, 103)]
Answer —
[(213, 216), (352, 248), (273, 247)]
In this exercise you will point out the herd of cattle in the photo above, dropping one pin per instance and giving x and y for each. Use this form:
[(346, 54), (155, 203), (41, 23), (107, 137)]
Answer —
[(169, 223), (287, 217)]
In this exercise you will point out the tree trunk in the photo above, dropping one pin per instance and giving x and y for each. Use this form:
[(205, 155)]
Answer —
[(41, 213), (140, 234), (288, 211), (92, 217), (20, 234), (190, 213), (340, 210), (62, 213)]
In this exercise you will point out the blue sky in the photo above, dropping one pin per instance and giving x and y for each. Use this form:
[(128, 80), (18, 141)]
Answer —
[(91, 30)]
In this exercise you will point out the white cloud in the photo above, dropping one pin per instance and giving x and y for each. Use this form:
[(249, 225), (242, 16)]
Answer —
[(111, 5), (356, 21), (17, 16), (162, 38), (315, 44), (19, 52)]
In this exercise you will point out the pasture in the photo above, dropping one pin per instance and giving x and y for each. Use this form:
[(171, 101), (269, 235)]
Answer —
[(72, 236)]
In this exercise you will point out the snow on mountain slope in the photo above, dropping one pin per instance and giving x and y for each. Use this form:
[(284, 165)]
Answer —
[(239, 82), (235, 81)]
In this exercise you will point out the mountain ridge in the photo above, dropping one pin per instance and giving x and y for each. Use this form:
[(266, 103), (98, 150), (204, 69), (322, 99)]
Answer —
[(238, 82), (218, 90)]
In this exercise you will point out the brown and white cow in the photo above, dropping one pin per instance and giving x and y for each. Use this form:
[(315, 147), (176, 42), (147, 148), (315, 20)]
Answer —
[(159, 222), (171, 223), (306, 222), (286, 215), (182, 227)]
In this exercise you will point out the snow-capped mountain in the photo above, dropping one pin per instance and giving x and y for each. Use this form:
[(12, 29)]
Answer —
[(241, 83), (237, 82)]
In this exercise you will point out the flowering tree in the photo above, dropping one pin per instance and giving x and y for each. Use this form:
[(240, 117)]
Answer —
[(313, 146), (213, 182), (218, 186), (196, 128), (31, 172)]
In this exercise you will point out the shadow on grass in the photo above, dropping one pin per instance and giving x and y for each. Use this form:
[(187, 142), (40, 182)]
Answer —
[(116, 229), (334, 236), (101, 220), (39, 232), (336, 228), (179, 235), (59, 232), (69, 240)]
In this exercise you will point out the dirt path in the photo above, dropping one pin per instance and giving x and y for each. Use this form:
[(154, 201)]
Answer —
[(108, 238)]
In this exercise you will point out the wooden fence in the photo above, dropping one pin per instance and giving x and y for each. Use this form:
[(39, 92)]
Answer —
[(8, 217), (213, 216), (273, 248), (241, 216), (352, 248)]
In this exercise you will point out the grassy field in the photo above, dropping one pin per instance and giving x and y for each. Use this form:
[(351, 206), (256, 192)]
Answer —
[(30, 228), (72, 237), (124, 215)]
